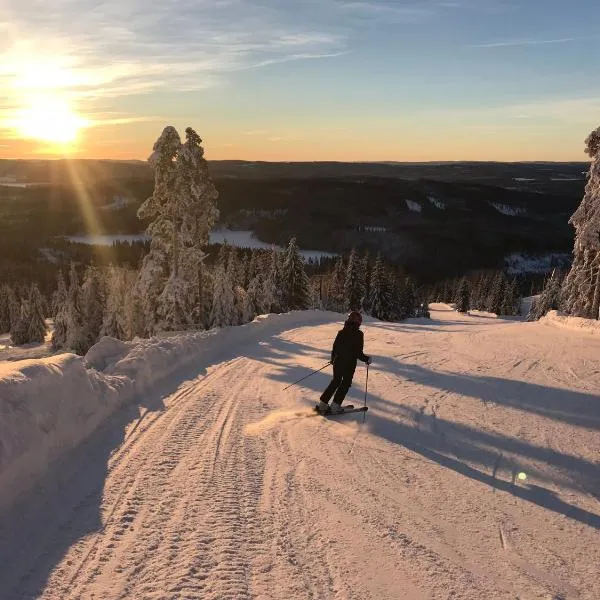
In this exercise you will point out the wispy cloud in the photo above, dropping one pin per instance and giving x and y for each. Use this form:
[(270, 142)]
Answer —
[(91, 51), (511, 43)]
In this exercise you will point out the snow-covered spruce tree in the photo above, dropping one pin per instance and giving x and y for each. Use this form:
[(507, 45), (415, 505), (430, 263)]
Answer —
[(223, 310), (549, 299), (462, 297), (37, 324), (407, 300), (4, 309), (59, 297), (379, 297), (14, 307), (511, 303), (92, 307), (272, 292), (335, 294), (365, 280), (19, 331), (354, 289), (76, 337), (255, 293), (182, 211), (296, 293), (582, 285), (113, 319), (496, 294)]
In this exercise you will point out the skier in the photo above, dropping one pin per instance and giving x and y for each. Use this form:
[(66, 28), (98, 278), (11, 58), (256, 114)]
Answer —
[(347, 348)]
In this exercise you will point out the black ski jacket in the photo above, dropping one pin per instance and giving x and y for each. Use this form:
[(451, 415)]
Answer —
[(348, 346)]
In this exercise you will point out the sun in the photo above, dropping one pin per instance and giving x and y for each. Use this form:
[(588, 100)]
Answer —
[(49, 119)]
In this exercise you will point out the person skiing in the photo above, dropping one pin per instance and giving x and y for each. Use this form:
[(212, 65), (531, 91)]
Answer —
[(347, 349)]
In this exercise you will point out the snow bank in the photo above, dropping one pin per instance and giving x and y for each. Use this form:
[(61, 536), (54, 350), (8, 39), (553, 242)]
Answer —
[(49, 405), (557, 319)]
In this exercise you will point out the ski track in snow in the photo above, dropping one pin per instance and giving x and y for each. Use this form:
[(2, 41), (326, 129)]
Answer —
[(223, 488)]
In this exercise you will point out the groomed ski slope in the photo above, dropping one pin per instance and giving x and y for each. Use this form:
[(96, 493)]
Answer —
[(218, 485)]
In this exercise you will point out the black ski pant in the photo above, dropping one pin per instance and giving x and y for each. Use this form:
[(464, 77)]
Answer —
[(340, 384)]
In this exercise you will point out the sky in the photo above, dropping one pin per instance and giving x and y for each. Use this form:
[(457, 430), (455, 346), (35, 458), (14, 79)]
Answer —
[(295, 80)]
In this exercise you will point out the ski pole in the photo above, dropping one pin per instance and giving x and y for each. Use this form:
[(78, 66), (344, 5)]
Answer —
[(366, 388), (307, 376)]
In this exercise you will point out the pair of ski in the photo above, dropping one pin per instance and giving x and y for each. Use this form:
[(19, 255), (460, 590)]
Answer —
[(347, 410)]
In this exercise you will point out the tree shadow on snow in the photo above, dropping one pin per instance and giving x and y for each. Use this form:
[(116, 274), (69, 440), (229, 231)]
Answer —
[(473, 453), (572, 407)]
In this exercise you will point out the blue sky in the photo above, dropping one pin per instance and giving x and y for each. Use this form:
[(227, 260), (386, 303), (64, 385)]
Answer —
[(305, 80)]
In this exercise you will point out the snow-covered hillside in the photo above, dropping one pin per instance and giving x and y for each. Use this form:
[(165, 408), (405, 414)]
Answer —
[(475, 476)]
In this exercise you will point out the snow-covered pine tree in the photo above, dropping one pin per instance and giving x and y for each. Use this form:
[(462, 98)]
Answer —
[(354, 289), (296, 293), (462, 297), (379, 298), (182, 211), (4, 309), (19, 331), (582, 285), (37, 324)]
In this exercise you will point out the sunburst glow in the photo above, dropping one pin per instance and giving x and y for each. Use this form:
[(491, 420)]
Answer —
[(50, 120)]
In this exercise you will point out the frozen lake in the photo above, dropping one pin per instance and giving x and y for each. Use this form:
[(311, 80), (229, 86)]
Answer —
[(239, 239)]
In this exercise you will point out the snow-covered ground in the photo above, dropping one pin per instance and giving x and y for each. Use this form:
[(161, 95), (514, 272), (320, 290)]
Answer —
[(239, 239), (476, 474)]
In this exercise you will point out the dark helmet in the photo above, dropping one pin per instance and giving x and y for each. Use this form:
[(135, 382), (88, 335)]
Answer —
[(355, 317)]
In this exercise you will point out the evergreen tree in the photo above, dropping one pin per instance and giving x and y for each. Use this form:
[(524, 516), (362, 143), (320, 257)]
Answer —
[(223, 310), (336, 300), (256, 294), (296, 295), (19, 331), (407, 299), (182, 210), (76, 339), (582, 285), (4, 309), (549, 299), (365, 280), (462, 297), (92, 308), (272, 295), (496, 294), (113, 320), (59, 297), (14, 307), (512, 299), (37, 324), (354, 289), (379, 300)]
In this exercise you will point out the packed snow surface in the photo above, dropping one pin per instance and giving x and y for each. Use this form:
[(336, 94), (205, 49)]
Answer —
[(475, 475)]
